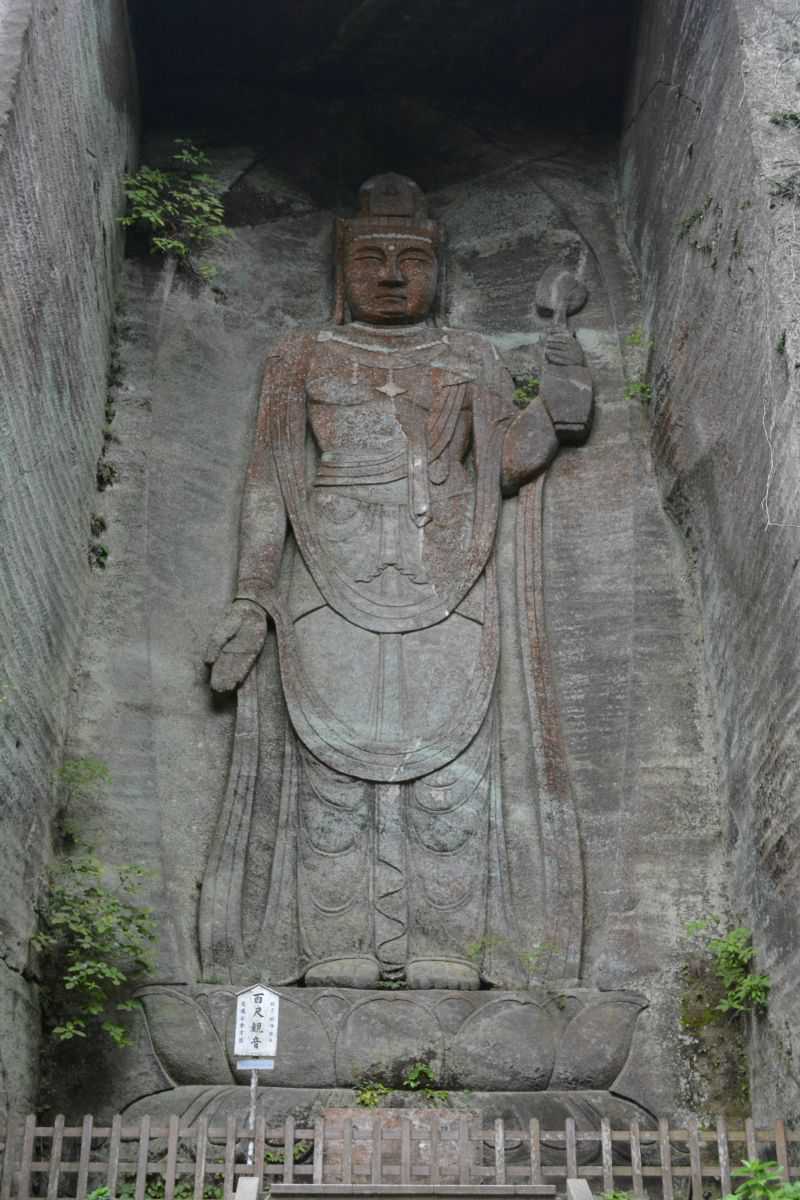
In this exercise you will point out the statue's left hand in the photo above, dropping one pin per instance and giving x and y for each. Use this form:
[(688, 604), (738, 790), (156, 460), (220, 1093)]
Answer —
[(235, 644), (562, 349)]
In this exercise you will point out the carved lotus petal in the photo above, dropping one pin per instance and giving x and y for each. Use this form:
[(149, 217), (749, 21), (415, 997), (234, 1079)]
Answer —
[(595, 1045), (382, 1035), (184, 1039), (507, 1045)]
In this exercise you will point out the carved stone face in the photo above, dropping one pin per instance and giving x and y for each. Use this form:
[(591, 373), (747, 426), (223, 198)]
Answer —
[(391, 280)]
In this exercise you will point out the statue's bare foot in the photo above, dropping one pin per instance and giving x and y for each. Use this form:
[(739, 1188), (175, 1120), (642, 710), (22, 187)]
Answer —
[(442, 973), (344, 972)]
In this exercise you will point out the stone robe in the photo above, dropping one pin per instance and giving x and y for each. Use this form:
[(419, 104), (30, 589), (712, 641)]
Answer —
[(383, 456)]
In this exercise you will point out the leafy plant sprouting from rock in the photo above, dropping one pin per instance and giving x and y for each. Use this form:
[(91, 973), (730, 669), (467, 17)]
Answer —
[(745, 990), (94, 936), (370, 1093), (763, 1180), (526, 389), (180, 210), (418, 1077), (155, 1189)]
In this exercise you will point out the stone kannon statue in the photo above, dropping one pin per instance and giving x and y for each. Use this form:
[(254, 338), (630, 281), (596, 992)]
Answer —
[(370, 539)]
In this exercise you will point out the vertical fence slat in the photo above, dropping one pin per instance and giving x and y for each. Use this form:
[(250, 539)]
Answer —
[(665, 1155), (112, 1170), (499, 1152), (200, 1151), (260, 1150), (9, 1158), (319, 1148), (694, 1158), (724, 1157), (750, 1138), (347, 1150), (230, 1158), (536, 1150), (464, 1150), (24, 1186), (780, 1149), (606, 1155), (636, 1161), (172, 1158), (288, 1151), (434, 1174), (376, 1157), (141, 1160), (86, 1154), (56, 1146), (405, 1149), (571, 1146)]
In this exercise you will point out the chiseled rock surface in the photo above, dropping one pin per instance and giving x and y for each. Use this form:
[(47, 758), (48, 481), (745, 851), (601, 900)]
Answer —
[(719, 257), (621, 614), (67, 108)]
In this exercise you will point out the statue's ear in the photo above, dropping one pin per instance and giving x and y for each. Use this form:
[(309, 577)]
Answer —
[(339, 302), (440, 299)]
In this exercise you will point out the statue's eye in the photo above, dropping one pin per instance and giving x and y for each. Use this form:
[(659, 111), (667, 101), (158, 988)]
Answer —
[(368, 256), (415, 257)]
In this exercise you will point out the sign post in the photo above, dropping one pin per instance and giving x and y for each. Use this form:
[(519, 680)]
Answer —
[(256, 1040)]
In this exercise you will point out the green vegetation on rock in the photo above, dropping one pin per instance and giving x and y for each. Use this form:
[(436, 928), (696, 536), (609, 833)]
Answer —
[(179, 210), (94, 937)]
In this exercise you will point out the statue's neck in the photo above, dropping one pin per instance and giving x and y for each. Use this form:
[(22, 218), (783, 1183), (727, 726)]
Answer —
[(393, 330)]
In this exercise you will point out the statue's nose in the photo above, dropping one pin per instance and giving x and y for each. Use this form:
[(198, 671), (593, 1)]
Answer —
[(391, 275)]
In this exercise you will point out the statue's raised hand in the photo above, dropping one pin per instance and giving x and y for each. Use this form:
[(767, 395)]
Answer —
[(562, 349), (235, 644)]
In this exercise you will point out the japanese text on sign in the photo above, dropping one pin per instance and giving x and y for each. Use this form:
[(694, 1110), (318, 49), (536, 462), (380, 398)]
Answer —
[(256, 1023)]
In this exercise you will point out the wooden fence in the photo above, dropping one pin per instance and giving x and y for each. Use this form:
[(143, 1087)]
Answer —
[(446, 1150)]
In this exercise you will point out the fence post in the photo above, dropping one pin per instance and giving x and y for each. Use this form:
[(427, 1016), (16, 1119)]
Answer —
[(694, 1158), (9, 1158), (750, 1138), (780, 1149), (464, 1150), (288, 1151), (56, 1147), (607, 1153), (434, 1151), (26, 1158), (405, 1148), (141, 1162), (665, 1154), (636, 1161), (376, 1157), (230, 1158), (259, 1150), (319, 1148), (723, 1156), (499, 1152), (347, 1150), (571, 1148), (200, 1150)]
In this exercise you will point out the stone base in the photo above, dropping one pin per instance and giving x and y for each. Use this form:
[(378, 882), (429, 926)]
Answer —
[(487, 1041), (517, 1109)]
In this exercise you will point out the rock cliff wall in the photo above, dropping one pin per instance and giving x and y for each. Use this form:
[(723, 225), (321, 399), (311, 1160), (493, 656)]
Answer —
[(67, 120), (710, 194)]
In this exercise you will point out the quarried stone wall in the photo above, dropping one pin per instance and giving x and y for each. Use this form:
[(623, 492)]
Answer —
[(67, 121), (710, 194)]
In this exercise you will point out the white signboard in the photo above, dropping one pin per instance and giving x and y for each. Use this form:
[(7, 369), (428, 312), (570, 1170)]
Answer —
[(256, 1023)]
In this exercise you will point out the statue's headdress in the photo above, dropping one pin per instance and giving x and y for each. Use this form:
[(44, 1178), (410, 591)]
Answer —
[(387, 205)]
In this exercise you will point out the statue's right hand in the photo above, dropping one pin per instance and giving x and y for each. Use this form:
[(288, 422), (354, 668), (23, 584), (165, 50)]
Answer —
[(235, 644)]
